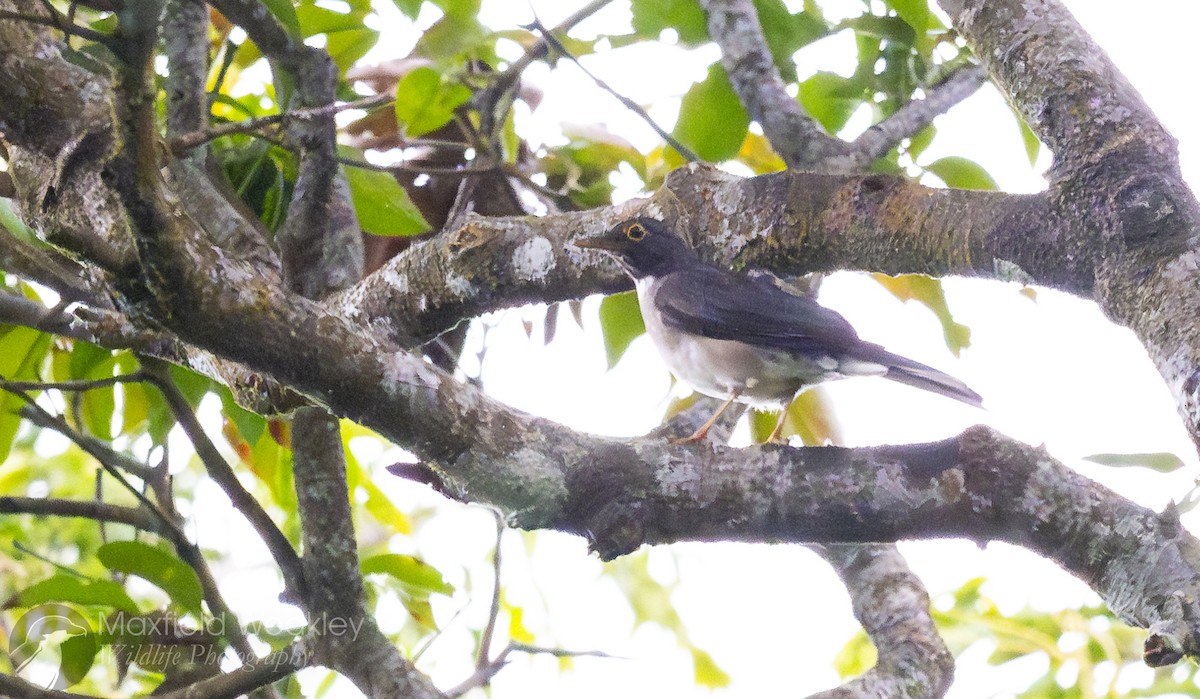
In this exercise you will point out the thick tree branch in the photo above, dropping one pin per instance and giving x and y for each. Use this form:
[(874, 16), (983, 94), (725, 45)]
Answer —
[(1116, 171), (796, 136), (65, 132), (320, 239), (1064, 85), (891, 603), (790, 222), (185, 30)]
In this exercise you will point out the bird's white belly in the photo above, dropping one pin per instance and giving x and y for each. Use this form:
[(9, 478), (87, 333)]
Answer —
[(721, 367)]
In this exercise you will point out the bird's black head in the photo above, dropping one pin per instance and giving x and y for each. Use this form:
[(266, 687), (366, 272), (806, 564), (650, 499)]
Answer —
[(645, 247)]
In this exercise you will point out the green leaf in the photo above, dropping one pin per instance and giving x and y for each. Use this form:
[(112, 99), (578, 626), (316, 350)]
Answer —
[(712, 121), (891, 28), (78, 653), (787, 33), (382, 205), (417, 577), (961, 173), (346, 47), (830, 99), (425, 102), (809, 416), (285, 12), (22, 351), (1163, 462), (194, 387), (11, 222), (914, 12), (1033, 146), (378, 504), (651, 17), (620, 322), (459, 9), (453, 38), (707, 673), (74, 590), (250, 425), (410, 8), (315, 19), (157, 567), (920, 141), (929, 292), (89, 362)]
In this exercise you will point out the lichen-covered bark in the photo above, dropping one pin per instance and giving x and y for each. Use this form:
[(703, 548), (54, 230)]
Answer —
[(1116, 173)]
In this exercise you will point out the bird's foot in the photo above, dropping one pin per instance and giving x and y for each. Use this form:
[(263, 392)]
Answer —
[(698, 436)]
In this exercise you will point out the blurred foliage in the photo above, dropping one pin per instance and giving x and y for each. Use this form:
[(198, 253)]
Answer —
[(1088, 653), (450, 114)]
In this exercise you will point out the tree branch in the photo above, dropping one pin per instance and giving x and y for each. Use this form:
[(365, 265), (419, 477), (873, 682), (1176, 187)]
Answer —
[(137, 517), (892, 605), (250, 676), (223, 475), (796, 136), (826, 222), (185, 31), (876, 141), (333, 581), (320, 239), (1116, 170)]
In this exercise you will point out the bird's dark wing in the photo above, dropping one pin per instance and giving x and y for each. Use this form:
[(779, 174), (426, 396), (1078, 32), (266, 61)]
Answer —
[(705, 301)]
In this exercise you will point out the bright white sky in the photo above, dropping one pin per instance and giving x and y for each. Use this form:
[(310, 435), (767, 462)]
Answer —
[(1051, 371)]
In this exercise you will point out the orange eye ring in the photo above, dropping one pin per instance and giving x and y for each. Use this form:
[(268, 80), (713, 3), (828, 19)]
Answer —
[(635, 232)]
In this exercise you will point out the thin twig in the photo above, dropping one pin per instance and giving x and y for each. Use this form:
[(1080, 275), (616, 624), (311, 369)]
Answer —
[(89, 385), (105, 456), (220, 471), (50, 562), (54, 23), (188, 141), (97, 449), (636, 108), (917, 114), (88, 509), (485, 638), (483, 675)]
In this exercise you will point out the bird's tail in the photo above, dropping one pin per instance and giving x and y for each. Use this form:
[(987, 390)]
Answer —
[(906, 371)]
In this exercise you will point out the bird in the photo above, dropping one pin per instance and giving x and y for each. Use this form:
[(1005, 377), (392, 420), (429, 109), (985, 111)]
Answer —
[(744, 338)]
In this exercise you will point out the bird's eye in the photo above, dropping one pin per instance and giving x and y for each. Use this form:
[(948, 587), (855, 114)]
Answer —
[(635, 231)]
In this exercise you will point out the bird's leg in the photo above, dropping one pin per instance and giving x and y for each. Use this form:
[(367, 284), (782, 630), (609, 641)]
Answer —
[(777, 433), (700, 434)]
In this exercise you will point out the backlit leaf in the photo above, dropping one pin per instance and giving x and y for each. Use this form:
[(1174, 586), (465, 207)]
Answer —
[(707, 672), (426, 102), (1163, 462), (75, 590), (830, 99), (620, 322), (382, 205), (21, 353), (961, 173), (712, 121), (417, 576), (156, 566), (928, 292), (651, 17)]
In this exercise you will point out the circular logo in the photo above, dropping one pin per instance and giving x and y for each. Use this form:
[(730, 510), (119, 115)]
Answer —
[(47, 644)]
